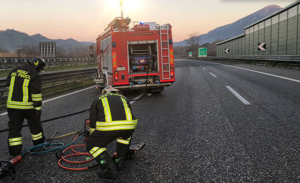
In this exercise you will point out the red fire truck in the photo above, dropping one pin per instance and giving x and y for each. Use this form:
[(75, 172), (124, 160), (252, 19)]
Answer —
[(133, 55)]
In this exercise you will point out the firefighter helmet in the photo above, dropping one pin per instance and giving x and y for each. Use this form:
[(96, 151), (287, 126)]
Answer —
[(110, 89), (38, 63)]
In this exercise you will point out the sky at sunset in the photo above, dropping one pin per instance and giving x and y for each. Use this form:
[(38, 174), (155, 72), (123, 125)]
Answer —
[(83, 20)]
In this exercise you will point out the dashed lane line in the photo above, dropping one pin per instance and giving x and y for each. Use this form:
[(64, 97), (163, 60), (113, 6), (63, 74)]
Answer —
[(238, 95), (212, 74)]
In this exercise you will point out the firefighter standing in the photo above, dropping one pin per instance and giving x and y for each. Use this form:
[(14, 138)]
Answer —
[(24, 102), (110, 119)]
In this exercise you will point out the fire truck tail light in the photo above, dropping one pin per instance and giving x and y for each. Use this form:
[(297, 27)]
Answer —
[(116, 75), (172, 72)]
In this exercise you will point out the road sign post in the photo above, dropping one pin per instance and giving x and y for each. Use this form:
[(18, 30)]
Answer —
[(202, 52), (190, 54)]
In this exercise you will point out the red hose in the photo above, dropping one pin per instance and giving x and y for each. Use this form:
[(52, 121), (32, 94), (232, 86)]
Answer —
[(76, 153)]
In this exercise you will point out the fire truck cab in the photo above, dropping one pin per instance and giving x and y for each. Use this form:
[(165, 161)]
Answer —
[(133, 55)]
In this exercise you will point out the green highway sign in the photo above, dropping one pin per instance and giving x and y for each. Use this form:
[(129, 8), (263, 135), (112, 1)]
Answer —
[(190, 54), (202, 52)]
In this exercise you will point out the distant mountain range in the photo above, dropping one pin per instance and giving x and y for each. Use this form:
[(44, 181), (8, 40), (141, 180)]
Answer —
[(235, 28), (11, 39)]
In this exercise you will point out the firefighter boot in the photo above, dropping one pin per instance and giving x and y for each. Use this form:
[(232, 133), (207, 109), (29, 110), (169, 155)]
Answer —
[(109, 169), (110, 172), (119, 162)]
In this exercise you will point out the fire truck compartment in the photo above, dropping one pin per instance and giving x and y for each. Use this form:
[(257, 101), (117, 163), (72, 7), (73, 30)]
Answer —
[(143, 58)]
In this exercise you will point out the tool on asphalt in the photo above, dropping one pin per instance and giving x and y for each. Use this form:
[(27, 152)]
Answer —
[(68, 134), (7, 167)]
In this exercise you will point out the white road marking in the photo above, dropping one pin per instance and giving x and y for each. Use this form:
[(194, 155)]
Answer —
[(281, 77), (68, 94), (5, 113), (136, 98), (212, 74), (238, 95), (203, 68)]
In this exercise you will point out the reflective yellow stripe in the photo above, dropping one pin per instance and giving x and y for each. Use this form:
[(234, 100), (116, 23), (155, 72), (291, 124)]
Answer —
[(94, 149), (36, 97), (20, 103), (19, 107), (116, 125), (106, 109), (97, 153), (92, 130), (38, 108), (37, 136), (115, 128), (127, 110), (25, 90), (15, 139), (122, 141), (15, 143), (171, 56), (11, 88)]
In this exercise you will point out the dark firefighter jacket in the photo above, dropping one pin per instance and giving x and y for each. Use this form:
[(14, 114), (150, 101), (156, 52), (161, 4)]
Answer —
[(111, 112), (25, 88)]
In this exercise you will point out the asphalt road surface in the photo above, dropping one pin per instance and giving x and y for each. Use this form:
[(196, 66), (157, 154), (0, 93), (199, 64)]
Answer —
[(219, 122)]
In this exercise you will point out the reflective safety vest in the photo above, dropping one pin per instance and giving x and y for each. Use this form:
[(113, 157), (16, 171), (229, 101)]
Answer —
[(111, 112), (25, 88)]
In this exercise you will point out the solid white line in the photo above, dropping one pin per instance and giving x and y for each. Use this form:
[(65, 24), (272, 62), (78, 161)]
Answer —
[(5, 113), (238, 96), (281, 77), (212, 74), (137, 98), (68, 94)]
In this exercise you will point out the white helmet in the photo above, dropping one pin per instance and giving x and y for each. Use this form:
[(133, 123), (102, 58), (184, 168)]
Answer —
[(110, 89)]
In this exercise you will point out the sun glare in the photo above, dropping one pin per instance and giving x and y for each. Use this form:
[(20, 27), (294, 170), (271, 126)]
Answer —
[(128, 5)]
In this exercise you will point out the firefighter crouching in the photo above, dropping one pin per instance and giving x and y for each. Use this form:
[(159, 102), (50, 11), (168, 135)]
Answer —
[(110, 118), (24, 102)]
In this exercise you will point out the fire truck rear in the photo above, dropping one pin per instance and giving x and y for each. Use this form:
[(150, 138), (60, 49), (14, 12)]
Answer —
[(135, 56)]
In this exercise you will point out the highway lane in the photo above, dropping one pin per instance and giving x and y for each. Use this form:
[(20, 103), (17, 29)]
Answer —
[(197, 130), (270, 126)]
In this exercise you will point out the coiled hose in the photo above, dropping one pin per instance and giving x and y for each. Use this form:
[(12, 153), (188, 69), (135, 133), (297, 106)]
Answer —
[(63, 157)]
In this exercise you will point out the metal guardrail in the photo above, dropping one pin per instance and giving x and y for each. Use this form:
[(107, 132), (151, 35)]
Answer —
[(56, 79), (7, 62)]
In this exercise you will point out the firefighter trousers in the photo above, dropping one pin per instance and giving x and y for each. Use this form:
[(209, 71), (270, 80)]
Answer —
[(98, 140), (15, 123)]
